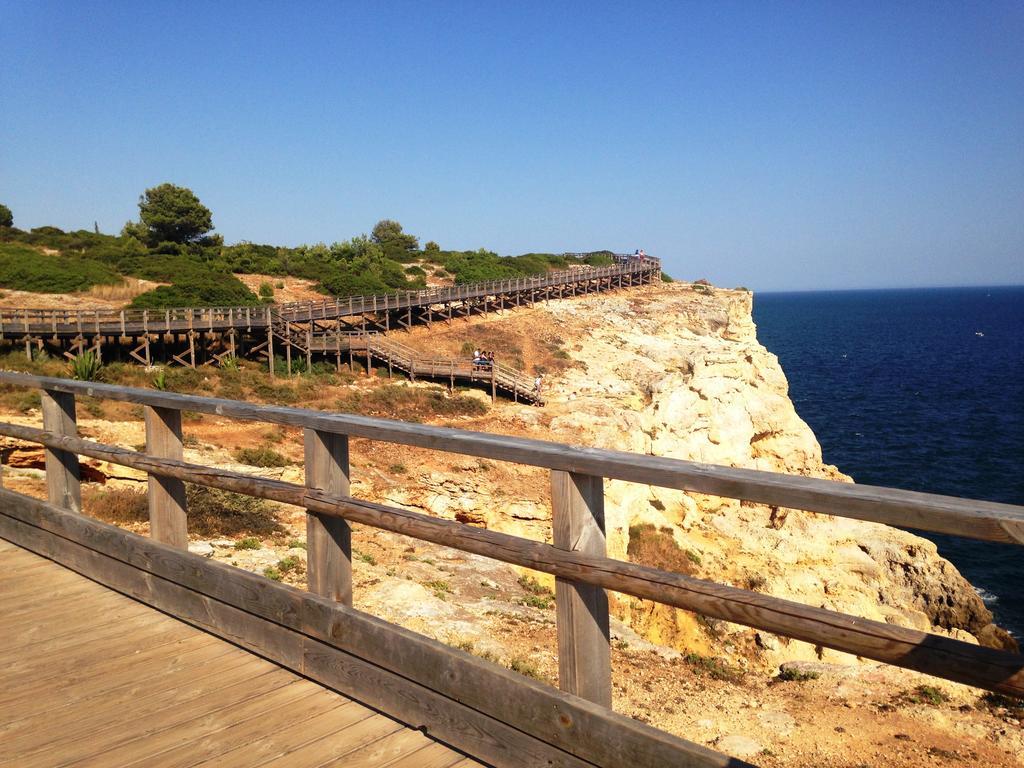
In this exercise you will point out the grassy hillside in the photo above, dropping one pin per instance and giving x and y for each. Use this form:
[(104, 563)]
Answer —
[(203, 273)]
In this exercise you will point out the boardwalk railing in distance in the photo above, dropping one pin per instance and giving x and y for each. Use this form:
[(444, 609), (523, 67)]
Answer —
[(133, 321), (477, 706)]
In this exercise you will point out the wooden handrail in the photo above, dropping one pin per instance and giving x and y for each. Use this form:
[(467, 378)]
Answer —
[(985, 520), (943, 657), (356, 304)]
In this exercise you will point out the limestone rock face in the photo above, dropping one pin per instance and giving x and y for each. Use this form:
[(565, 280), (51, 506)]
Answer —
[(670, 371)]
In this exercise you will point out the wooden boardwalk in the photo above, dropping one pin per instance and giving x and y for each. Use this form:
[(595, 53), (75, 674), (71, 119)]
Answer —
[(327, 329), (93, 678)]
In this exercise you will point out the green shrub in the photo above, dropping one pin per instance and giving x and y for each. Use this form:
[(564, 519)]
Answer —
[(528, 668), (266, 290), (712, 667), (261, 457), (213, 289), (792, 674), (927, 694), (26, 269), (213, 512), (667, 278), (366, 557), (249, 542)]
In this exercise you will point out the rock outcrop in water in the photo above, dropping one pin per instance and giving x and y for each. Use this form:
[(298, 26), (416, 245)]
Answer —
[(674, 371)]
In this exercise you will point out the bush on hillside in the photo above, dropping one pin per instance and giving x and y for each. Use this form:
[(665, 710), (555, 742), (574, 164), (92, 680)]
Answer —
[(215, 289), (6, 217), (26, 269)]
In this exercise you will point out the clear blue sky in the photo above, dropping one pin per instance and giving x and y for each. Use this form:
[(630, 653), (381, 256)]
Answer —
[(773, 145)]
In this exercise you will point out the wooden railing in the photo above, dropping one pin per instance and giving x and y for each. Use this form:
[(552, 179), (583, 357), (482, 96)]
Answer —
[(416, 363), (136, 321), (577, 557)]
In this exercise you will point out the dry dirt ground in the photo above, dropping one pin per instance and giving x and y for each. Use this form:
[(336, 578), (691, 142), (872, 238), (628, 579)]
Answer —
[(836, 716), (97, 297), (285, 288)]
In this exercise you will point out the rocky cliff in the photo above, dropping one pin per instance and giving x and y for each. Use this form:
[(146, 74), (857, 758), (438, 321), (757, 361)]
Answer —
[(676, 371)]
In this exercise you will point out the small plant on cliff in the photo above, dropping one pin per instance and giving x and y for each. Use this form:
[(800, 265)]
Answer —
[(657, 548), (249, 542), (261, 457), (796, 675), (160, 380), (366, 557), (85, 367), (118, 506), (441, 588), (713, 667), (1012, 705), (289, 564), (216, 513), (925, 694), (528, 668)]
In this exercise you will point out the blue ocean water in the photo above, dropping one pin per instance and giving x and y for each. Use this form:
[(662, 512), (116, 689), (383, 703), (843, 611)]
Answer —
[(916, 389)]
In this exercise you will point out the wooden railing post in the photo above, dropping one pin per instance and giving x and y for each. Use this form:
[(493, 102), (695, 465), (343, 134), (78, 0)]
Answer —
[(328, 539), (584, 643), (168, 510), (63, 487)]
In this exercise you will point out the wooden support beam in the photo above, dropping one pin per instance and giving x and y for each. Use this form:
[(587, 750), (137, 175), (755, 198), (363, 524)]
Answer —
[(168, 517), (328, 539), (63, 486), (584, 643), (270, 350)]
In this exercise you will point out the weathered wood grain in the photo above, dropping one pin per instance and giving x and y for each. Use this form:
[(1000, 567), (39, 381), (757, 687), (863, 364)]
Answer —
[(584, 642), (168, 508), (62, 473), (984, 520), (328, 539), (484, 709)]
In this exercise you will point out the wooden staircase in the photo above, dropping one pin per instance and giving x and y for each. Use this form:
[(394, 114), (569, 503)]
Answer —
[(504, 378)]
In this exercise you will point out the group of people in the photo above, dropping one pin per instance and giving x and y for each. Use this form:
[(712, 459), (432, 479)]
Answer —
[(483, 359), (625, 258)]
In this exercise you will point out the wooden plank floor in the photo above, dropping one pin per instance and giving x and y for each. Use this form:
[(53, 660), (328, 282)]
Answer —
[(89, 677)]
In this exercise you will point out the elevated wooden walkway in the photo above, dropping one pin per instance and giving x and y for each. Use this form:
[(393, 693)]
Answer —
[(487, 712), (92, 677), (209, 335)]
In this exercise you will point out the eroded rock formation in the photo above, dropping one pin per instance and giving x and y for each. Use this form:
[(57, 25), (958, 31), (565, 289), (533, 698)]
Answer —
[(672, 371)]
